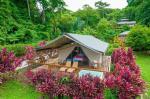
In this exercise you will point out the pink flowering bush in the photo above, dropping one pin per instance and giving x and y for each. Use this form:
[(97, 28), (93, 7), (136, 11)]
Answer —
[(126, 77), (30, 53), (89, 87), (8, 63), (42, 43), (62, 84)]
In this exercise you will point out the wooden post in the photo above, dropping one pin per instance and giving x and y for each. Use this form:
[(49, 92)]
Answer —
[(141, 96)]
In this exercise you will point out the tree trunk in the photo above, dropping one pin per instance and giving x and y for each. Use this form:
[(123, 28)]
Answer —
[(29, 12), (43, 16)]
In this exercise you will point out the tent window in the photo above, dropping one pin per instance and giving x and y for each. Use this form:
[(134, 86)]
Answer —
[(78, 55)]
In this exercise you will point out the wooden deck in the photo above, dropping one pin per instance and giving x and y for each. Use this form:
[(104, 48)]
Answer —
[(52, 64), (56, 67)]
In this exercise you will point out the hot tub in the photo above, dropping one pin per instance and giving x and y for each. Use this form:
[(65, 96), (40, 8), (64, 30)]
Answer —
[(93, 73)]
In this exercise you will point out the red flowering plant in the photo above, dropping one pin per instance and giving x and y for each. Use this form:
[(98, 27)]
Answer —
[(42, 43), (62, 84), (126, 77), (8, 61), (8, 64), (50, 83), (89, 87), (30, 53)]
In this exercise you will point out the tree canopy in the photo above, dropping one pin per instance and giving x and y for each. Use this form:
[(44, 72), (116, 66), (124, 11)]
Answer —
[(27, 21), (138, 10)]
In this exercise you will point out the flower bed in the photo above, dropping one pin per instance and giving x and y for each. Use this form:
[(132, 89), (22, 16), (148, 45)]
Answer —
[(125, 79), (62, 84), (8, 63)]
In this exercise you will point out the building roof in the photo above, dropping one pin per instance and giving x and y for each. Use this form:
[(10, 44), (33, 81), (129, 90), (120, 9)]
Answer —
[(87, 41), (127, 22), (124, 20), (124, 33)]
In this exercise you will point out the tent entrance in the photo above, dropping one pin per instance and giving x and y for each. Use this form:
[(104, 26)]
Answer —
[(78, 55)]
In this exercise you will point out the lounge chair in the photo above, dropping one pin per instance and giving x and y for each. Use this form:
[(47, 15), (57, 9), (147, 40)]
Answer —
[(68, 65), (73, 68)]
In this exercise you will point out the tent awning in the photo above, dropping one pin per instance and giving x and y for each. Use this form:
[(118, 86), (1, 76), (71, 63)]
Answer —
[(87, 41)]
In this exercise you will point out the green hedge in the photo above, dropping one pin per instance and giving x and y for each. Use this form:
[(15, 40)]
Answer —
[(18, 49), (139, 38)]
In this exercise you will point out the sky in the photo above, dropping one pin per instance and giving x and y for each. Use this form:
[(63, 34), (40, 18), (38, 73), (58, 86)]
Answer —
[(74, 5)]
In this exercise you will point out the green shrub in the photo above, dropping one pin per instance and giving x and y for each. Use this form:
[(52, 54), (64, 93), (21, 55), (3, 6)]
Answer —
[(125, 28), (105, 30), (18, 49), (111, 48), (110, 94), (139, 38)]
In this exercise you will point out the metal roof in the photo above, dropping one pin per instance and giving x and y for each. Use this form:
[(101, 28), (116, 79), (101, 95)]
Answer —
[(124, 33), (87, 41), (127, 22)]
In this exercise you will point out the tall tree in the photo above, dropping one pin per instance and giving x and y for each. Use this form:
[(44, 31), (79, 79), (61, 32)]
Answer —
[(138, 10), (51, 7), (101, 6), (89, 15), (51, 12), (28, 5)]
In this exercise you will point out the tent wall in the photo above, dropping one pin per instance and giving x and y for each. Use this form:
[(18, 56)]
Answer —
[(66, 50), (93, 56)]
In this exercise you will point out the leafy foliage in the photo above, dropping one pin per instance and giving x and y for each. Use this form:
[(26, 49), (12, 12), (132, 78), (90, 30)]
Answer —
[(67, 22), (30, 53), (89, 31), (8, 61), (8, 64), (88, 15), (105, 28), (60, 84), (111, 48), (25, 22), (17, 27), (137, 10), (100, 4), (42, 43), (18, 49), (141, 37), (126, 77)]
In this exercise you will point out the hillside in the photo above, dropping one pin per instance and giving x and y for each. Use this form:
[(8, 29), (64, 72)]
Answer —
[(15, 24)]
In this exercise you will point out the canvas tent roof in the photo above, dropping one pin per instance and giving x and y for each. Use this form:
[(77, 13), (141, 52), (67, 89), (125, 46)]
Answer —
[(87, 41)]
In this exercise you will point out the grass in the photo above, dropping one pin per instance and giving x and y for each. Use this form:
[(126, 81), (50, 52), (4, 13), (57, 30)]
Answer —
[(17, 90), (143, 60)]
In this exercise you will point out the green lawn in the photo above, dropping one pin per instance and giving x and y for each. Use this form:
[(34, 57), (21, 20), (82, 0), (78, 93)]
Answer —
[(16, 90), (143, 61)]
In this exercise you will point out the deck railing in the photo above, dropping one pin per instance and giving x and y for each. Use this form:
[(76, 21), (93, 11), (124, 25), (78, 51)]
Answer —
[(106, 62)]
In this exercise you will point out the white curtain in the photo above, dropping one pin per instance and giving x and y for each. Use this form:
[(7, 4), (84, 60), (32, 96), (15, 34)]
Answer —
[(92, 56), (64, 53)]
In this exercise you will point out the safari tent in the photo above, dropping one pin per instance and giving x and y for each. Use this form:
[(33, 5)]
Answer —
[(91, 49)]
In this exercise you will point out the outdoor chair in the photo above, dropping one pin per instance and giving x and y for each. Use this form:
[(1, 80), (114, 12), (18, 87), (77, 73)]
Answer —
[(73, 68), (68, 65)]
